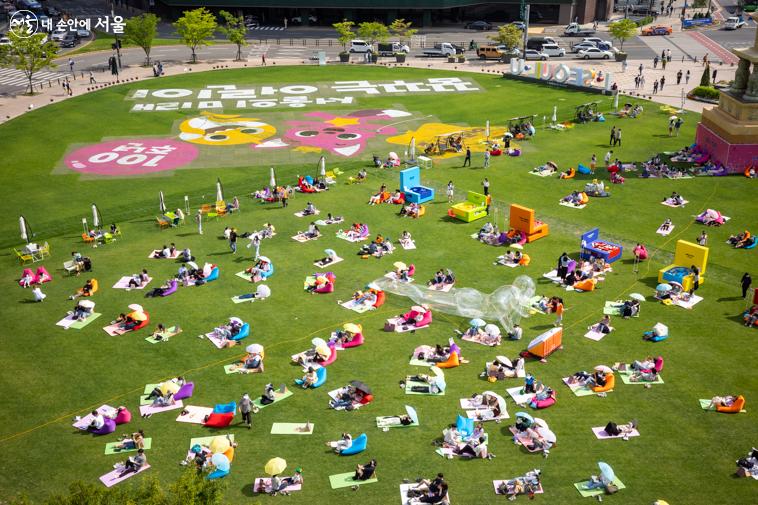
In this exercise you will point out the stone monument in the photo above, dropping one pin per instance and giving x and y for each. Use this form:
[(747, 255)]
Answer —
[(729, 132)]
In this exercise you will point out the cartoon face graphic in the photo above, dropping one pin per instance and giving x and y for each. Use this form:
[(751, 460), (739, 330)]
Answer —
[(224, 130), (343, 135)]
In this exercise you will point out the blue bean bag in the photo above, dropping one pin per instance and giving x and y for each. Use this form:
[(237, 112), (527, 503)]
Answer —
[(213, 275), (656, 338), (752, 244), (217, 474), (464, 425), (225, 408), (582, 169), (320, 378), (243, 333), (359, 445), (269, 273)]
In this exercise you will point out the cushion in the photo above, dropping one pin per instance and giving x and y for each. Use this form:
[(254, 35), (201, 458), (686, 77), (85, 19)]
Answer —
[(185, 391), (123, 416), (610, 382), (359, 445), (225, 408), (216, 420)]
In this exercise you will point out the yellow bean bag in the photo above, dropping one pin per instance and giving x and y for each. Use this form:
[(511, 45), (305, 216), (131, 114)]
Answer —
[(451, 362), (570, 175), (525, 260), (586, 285), (610, 381), (584, 198)]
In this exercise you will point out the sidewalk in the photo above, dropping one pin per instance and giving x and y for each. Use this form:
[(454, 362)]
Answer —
[(671, 95)]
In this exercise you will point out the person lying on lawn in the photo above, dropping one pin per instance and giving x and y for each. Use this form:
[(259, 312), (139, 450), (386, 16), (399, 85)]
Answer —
[(722, 401), (474, 448), (365, 298), (251, 363), (624, 430), (167, 286), (365, 472), (500, 370), (401, 420)]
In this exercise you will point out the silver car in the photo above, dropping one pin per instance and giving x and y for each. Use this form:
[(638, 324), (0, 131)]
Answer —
[(594, 53)]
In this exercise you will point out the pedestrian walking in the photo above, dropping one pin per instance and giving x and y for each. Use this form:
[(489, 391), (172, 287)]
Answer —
[(705, 59), (671, 126), (745, 283), (607, 158), (285, 23), (612, 141), (624, 64), (687, 77), (255, 241), (636, 82), (640, 69), (593, 163), (655, 87), (71, 65), (668, 55), (677, 125), (679, 77), (245, 406), (663, 81), (713, 76), (467, 159), (486, 158), (618, 137), (655, 61), (450, 191), (284, 196), (663, 63), (263, 59), (92, 78), (199, 221), (486, 186), (233, 241), (642, 81)]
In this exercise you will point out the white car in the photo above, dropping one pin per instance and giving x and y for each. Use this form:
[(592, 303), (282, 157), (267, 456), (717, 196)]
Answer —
[(531, 54), (594, 40), (582, 46), (83, 34), (59, 34), (733, 23), (553, 50), (5, 41), (594, 53), (360, 46), (297, 20)]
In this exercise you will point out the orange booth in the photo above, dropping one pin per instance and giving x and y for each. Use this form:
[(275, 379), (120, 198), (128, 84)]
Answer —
[(522, 219)]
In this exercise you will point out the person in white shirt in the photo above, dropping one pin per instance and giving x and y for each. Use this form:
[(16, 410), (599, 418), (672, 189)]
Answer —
[(517, 332), (98, 421)]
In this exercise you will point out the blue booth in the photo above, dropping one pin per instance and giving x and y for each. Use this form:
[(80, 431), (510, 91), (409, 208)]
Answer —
[(410, 184)]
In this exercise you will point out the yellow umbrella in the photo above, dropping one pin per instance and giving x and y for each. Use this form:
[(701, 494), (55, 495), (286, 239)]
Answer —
[(138, 316), (400, 265), (323, 350), (219, 444), (275, 466), (352, 327), (169, 387)]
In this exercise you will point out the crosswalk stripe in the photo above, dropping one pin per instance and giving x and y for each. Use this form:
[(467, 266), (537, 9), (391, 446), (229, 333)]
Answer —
[(13, 77)]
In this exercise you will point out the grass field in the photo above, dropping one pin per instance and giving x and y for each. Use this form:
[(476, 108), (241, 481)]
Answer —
[(685, 455)]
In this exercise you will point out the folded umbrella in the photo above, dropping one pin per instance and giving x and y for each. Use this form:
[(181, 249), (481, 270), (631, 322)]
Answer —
[(360, 386), (400, 265)]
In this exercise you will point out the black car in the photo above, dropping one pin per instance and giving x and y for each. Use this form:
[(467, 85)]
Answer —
[(478, 25), (52, 12), (69, 39)]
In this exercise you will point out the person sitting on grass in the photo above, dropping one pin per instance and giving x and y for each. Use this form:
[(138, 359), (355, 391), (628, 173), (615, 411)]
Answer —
[(310, 378), (365, 472), (509, 258), (309, 209), (410, 210), (748, 466), (365, 298), (740, 239), (134, 441), (82, 312), (331, 255), (258, 270), (644, 375), (474, 448), (603, 326), (345, 442), (312, 231), (139, 280), (85, 290), (499, 370), (722, 401), (268, 397), (280, 485), (133, 464), (751, 316), (251, 363), (675, 199), (379, 197)]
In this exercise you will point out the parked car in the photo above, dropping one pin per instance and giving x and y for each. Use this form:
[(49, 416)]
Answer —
[(490, 52), (68, 40), (553, 50), (657, 30), (519, 24), (298, 20), (59, 34), (538, 42), (252, 22), (593, 53), (83, 34), (515, 52), (478, 25), (645, 10), (5, 41), (532, 54), (734, 22), (360, 46), (52, 11), (594, 40), (581, 46)]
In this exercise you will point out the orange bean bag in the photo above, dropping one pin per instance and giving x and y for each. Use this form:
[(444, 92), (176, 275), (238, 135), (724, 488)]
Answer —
[(229, 453), (451, 362), (570, 175), (586, 285), (583, 198), (525, 260), (610, 381), (734, 408), (380, 298)]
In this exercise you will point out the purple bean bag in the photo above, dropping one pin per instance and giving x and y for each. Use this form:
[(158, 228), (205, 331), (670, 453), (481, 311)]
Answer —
[(108, 427), (185, 391), (173, 285)]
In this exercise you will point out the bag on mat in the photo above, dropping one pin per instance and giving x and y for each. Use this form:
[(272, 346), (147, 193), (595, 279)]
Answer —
[(611, 489), (612, 429), (420, 389)]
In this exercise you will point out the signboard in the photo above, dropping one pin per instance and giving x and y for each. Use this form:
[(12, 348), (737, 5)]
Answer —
[(688, 23), (562, 75)]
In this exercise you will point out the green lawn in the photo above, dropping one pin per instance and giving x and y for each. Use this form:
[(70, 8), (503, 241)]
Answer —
[(684, 455)]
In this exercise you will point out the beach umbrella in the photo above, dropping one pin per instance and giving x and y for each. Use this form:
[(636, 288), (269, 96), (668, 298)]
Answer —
[(139, 316), (541, 422), (136, 307), (272, 179), (264, 258), (351, 327), (254, 348), (26, 231), (323, 350), (330, 252), (673, 118), (604, 369), (439, 377), (219, 444), (87, 304), (412, 149), (97, 219), (170, 387), (663, 287), (554, 118), (400, 265), (221, 462), (263, 291), (508, 134), (437, 371), (487, 129), (606, 470), (219, 191), (275, 466), (505, 361), (360, 386), (322, 166), (318, 342), (161, 202), (419, 309), (637, 296), (192, 265), (477, 323), (412, 413), (492, 329), (236, 319), (524, 415)]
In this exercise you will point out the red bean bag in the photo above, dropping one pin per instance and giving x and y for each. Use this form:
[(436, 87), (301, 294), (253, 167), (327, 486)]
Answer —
[(123, 416), (380, 299), (142, 324), (425, 320), (216, 420), (367, 399), (326, 288)]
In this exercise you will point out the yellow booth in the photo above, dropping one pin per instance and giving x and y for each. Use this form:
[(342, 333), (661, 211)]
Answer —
[(686, 256), (475, 207)]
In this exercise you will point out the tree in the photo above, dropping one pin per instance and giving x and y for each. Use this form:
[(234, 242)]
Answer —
[(195, 28), (140, 31), (402, 30), (373, 32), (28, 54), (508, 35), (623, 30), (705, 80), (345, 33), (235, 30)]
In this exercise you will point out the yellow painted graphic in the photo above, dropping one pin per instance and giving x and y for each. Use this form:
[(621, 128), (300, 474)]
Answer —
[(224, 130), (440, 139)]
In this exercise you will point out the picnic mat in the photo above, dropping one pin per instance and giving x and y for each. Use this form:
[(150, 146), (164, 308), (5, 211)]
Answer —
[(360, 309), (344, 236), (237, 299), (327, 222), (669, 204), (85, 421), (379, 418), (404, 488), (518, 397), (444, 289), (475, 340), (586, 493), (665, 233), (485, 415), (153, 256), (553, 276), (595, 335), (143, 399), (506, 264), (523, 440), (114, 329), (600, 433), (336, 260), (542, 173), (110, 448), (409, 245), (572, 206), (346, 480), (498, 483), (215, 340), (393, 276), (706, 402), (694, 300), (409, 384), (149, 409), (300, 237), (266, 482), (614, 309), (419, 362), (580, 390), (171, 331), (291, 429), (123, 283), (244, 275), (69, 321), (194, 415), (625, 378), (277, 398), (112, 478), (303, 214)]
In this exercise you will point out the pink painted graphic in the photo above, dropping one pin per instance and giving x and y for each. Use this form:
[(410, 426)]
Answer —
[(131, 157), (735, 157), (343, 135)]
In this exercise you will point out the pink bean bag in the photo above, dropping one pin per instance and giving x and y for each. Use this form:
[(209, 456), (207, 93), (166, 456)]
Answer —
[(123, 416), (332, 355), (356, 341), (542, 404)]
